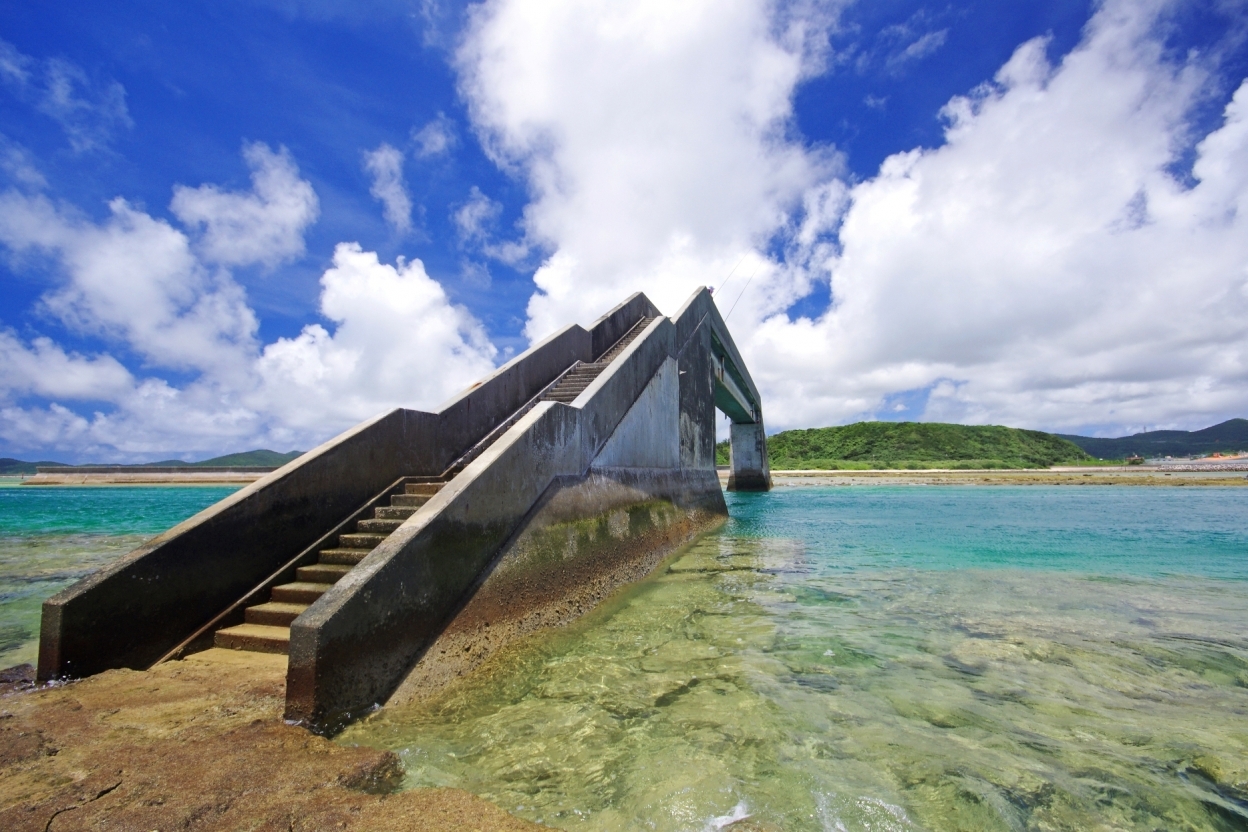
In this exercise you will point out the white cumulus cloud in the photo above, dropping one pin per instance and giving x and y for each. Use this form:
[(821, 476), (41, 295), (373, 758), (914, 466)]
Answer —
[(1045, 266), (385, 166), (133, 279), (398, 341), (264, 225), (655, 138), (140, 286)]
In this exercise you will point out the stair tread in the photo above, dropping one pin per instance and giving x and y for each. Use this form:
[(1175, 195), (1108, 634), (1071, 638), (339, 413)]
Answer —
[(274, 613), (259, 638), (280, 606), (305, 586), (393, 512), (344, 556), (409, 500), (363, 540), (257, 630), (328, 567), (381, 527), (322, 572)]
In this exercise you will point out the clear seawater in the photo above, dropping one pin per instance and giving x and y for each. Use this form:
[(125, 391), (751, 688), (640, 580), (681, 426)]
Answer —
[(876, 658), (50, 536)]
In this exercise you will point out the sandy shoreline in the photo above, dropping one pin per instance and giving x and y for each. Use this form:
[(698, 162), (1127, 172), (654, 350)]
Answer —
[(1050, 476), (138, 478), (932, 476), (200, 744)]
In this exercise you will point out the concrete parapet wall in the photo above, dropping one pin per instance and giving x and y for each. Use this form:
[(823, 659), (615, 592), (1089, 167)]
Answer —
[(354, 644), (586, 537), (133, 611)]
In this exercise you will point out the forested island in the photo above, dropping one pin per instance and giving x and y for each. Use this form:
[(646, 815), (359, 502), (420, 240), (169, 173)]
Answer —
[(918, 445)]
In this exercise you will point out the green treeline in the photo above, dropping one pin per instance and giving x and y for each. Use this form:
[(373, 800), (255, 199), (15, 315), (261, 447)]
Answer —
[(915, 445)]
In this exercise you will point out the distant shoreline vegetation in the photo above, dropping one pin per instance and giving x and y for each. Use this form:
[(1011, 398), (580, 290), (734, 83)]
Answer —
[(915, 445), (246, 459), (925, 445)]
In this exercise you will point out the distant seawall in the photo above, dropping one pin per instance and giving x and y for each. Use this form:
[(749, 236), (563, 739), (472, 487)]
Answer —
[(146, 475)]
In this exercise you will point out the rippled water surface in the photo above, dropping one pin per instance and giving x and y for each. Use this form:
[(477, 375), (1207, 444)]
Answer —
[(52, 536), (933, 658)]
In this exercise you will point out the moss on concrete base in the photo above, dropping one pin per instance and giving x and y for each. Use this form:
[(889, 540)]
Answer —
[(586, 539)]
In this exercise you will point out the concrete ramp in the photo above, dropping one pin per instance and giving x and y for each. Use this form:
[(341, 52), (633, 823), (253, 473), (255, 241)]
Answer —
[(398, 556)]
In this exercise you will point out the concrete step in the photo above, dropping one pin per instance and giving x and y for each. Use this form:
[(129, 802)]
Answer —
[(428, 489), (259, 638), (349, 557), (299, 592), (384, 527), (409, 500), (394, 512), (361, 541), (274, 614), (322, 573)]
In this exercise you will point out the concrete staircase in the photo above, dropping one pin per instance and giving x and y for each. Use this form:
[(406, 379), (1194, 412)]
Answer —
[(564, 389), (266, 627), (582, 375)]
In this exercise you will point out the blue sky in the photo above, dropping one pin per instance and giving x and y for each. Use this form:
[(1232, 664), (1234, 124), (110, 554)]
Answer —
[(244, 224)]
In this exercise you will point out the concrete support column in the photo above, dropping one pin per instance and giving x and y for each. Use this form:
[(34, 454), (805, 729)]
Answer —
[(750, 470)]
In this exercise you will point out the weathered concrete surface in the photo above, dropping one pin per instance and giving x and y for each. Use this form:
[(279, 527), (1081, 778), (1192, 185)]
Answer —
[(569, 503), (748, 450), (714, 375), (200, 745), (354, 645), (587, 537), (132, 612), (139, 608)]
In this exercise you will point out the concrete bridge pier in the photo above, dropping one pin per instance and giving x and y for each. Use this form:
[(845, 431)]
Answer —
[(748, 451)]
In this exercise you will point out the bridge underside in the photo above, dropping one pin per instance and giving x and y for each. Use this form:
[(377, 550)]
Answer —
[(398, 556)]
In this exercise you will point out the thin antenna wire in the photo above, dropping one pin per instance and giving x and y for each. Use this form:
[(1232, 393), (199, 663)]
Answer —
[(734, 270), (747, 285)]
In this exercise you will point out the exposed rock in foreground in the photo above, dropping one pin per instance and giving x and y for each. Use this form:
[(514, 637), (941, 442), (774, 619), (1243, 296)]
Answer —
[(200, 744)]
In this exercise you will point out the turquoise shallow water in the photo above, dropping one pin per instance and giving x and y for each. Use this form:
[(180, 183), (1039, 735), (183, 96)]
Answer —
[(938, 658), (52, 536)]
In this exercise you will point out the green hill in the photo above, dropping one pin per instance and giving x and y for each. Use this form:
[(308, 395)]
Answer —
[(915, 445), (14, 467), (1231, 435), (257, 459)]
